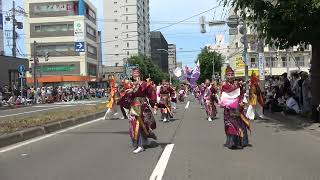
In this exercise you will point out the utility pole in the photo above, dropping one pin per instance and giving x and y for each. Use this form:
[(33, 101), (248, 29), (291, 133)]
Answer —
[(35, 63), (213, 75), (11, 16), (14, 36)]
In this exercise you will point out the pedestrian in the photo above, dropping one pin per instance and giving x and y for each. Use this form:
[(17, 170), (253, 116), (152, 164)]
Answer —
[(236, 123)]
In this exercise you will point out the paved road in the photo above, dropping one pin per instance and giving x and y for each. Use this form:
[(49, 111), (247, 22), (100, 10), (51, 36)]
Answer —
[(43, 108), (101, 150)]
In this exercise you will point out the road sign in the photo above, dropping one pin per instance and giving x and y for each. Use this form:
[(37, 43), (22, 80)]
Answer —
[(21, 69), (79, 46)]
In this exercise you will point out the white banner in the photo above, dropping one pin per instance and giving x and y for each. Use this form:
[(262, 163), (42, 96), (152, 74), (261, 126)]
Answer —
[(262, 62), (79, 31)]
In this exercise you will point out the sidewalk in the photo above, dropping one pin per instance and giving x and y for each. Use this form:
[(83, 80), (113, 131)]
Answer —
[(296, 122)]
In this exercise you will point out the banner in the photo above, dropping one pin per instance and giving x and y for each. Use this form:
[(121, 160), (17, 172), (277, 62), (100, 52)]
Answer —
[(79, 31), (262, 62)]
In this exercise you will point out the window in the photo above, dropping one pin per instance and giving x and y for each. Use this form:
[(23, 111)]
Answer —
[(126, 1), (127, 26), (115, 28), (299, 61), (116, 37), (57, 50), (115, 2), (128, 53), (116, 46), (37, 28), (92, 49), (127, 45), (127, 18), (284, 61), (91, 31), (115, 11), (253, 63), (126, 9), (53, 28), (127, 35)]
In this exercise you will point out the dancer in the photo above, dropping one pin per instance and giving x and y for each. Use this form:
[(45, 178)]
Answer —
[(182, 93), (209, 101), (174, 98), (256, 101), (141, 120), (111, 104), (236, 123), (166, 93)]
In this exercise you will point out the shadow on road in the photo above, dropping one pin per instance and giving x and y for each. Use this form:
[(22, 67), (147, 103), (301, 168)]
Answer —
[(284, 123), (154, 144)]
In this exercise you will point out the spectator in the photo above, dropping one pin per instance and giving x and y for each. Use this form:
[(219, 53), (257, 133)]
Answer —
[(306, 93), (292, 106)]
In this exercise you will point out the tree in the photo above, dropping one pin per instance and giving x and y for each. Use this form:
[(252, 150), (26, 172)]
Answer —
[(148, 68), (287, 23), (206, 58)]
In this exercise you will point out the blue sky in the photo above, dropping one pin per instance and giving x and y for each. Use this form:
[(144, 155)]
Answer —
[(186, 35)]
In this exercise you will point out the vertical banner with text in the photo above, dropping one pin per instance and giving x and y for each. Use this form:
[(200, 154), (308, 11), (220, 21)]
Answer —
[(262, 66)]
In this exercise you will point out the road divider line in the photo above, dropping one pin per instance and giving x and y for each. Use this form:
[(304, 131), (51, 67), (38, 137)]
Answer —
[(29, 112), (187, 106), (158, 171), (18, 145)]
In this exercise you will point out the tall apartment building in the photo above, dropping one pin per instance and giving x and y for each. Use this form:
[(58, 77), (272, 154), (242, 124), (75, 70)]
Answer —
[(1, 30), (60, 28), (127, 30), (172, 56)]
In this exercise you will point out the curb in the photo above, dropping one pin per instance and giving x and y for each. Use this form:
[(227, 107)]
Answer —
[(30, 133)]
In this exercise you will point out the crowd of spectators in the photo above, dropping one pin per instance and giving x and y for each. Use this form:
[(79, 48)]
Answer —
[(290, 95), (43, 95)]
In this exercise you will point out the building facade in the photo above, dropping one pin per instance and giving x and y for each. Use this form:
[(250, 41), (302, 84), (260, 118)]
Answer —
[(277, 61), (127, 30), (1, 29), (172, 56), (159, 50), (9, 75), (66, 31)]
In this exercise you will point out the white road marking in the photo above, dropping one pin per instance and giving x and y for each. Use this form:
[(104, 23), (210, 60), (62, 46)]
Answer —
[(49, 106), (18, 145), (29, 112), (162, 163), (187, 106)]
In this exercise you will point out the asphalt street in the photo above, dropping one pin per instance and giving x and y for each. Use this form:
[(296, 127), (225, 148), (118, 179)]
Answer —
[(101, 150), (43, 108)]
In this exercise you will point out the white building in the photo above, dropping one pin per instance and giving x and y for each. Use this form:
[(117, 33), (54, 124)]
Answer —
[(277, 61), (172, 56), (56, 25), (127, 30)]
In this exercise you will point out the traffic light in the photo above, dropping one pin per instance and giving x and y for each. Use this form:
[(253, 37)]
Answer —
[(46, 56)]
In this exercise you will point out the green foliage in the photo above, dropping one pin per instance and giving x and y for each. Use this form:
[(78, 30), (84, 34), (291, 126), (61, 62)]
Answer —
[(206, 60), (147, 67), (284, 23)]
